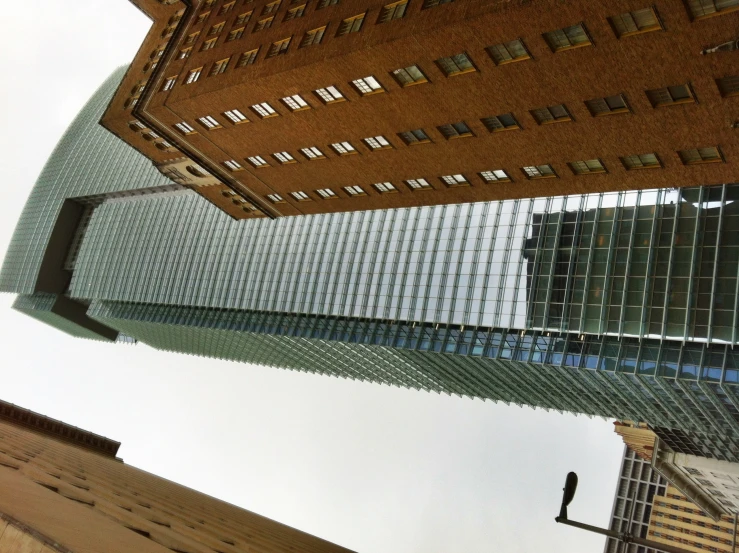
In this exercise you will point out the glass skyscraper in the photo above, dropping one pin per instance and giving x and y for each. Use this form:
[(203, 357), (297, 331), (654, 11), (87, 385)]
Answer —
[(618, 305)]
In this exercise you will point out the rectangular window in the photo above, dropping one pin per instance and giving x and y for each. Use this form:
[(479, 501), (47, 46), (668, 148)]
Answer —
[(637, 22), (418, 184), (184, 128), (272, 7), (325, 3), (235, 34), (728, 86), (184, 53), (284, 157), (410, 75), (433, 3), (377, 143), (502, 122), (551, 114), (385, 187), (587, 167), (219, 67), (136, 125), (169, 83), (495, 175), (216, 29), (453, 181), (248, 58), (233, 165), (368, 85), (191, 38), (700, 155), (610, 105), (329, 95), (208, 44), (258, 161), (508, 52), (295, 12), (295, 102), (235, 116), (209, 122), (355, 191), (202, 17), (456, 65), (279, 47), (396, 10), (312, 153), (300, 196), (641, 161), (275, 198), (416, 136), (343, 148), (243, 18), (313, 37), (575, 36), (264, 110), (539, 171), (455, 130), (226, 8), (351, 25), (326, 193), (262, 24), (707, 8), (671, 95), (193, 75)]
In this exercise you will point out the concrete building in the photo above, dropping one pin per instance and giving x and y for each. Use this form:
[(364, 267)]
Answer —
[(65, 490), (277, 107)]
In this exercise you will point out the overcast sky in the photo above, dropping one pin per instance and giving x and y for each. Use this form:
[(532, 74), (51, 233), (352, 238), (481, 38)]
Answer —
[(372, 468)]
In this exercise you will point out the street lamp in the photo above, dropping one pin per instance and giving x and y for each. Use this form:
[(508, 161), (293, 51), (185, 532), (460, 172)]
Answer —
[(626, 537)]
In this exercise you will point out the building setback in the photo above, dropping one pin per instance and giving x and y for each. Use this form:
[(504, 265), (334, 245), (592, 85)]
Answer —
[(284, 108), (62, 496)]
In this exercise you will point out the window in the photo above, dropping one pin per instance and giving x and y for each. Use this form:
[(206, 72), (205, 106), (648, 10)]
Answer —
[(455, 130), (202, 17), (355, 191), (208, 44), (169, 83), (295, 102), (264, 110), (216, 29), (416, 136), (164, 145), (456, 65), (696, 156), (508, 52), (326, 194), (567, 38), (226, 8), (258, 161), (284, 157), (409, 76), (587, 167), (495, 175), (503, 122), (219, 67), (367, 85), (300, 196), (136, 125), (539, 171), (728, 86), (636, 22), (262, 24), (385, 187), (275, 198), (233, 165), (329, 95), (343, 148), (279, 47), (235, 34), (671, 95), (243, 18), (455, 180), (193, 75), (610, 105), (551, 114), (209, 122), (418, 184), (272, 7), (433, 3), (396, 10), (248, 58), (325, 3), (707, 8), (295, 12), (312, 153), (313, 37), (191, 38), (351, 25), (641, 161), (184, 128), (377, 143), (184, 53), (235, 116)]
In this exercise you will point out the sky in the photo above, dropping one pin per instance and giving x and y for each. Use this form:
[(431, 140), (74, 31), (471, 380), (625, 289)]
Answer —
[(372, 468)]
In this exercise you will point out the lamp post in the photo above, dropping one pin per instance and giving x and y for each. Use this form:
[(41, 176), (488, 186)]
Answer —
[(626, 537)]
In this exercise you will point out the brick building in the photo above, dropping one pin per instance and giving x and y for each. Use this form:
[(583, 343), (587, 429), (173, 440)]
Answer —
[(308, 106), (64, 490)]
